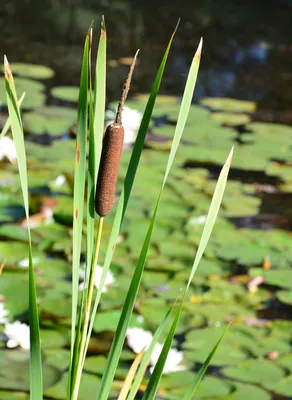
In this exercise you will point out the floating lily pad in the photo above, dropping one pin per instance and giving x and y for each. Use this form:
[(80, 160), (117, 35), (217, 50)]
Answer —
[(256, 371), (34, 92), (52, 120), (244, 391), (283, 387), (88, 388), (66, 93), (279, 277), (285, 296), (14, 373), (34, 71), (230, 119), (227, 104)]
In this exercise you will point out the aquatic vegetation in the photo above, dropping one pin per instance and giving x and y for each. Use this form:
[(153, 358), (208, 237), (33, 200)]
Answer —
[(261, 334)]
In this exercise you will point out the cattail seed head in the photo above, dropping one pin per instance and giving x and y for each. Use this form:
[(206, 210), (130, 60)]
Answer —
[(108, 169)]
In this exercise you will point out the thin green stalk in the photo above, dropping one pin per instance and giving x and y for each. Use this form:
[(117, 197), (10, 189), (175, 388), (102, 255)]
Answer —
[(36, 377), (88, 303)]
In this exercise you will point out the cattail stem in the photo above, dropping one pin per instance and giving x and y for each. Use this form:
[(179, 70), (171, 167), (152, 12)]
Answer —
[(88, 303)]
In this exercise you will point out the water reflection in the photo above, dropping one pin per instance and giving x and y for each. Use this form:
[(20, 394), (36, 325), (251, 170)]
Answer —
[(247, 46)]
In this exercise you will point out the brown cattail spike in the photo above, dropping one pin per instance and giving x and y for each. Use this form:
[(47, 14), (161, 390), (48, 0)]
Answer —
[(108, 170), (110, 157)]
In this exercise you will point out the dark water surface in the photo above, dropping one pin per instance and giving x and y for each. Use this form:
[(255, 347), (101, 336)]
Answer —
[(247, 45)]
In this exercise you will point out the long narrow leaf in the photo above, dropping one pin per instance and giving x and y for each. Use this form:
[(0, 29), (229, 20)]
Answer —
[(130, 376), (189, 394), (96, 129), (79, 186), (36, 380), (120, 334), (154, 381), (129, 180)]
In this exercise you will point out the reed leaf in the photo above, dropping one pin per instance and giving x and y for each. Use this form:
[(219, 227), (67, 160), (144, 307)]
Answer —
[(154, 381), (36, 379)]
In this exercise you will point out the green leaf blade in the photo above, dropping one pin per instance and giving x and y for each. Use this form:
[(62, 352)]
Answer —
[(36, 378)]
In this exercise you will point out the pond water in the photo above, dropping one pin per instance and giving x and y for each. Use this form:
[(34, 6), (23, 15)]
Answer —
[(243, 98)]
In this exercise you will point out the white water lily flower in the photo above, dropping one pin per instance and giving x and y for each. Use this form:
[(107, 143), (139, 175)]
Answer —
[(3, 314), (24, 263), (198, 220), (131, 122), (138, 339), (18, 335), (7, 149), (109, 280), (60, 180), (173, 361)]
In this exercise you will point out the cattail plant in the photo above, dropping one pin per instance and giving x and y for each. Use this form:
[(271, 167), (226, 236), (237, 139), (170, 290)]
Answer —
[(106, 160), (111, 153)]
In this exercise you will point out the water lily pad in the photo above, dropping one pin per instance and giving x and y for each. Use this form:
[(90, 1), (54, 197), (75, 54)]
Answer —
[(279, 277), (244, 391), (52, 120), (34, 71), (66, 93), (58, 358), (283, 387), (227, 104), (230, 119), (34, 92), (14, 373), (285, 296), (88, 388), (256, 371)]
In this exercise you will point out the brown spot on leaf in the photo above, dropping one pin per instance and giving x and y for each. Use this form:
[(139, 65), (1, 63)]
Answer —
[(78, 151), (76, 213)]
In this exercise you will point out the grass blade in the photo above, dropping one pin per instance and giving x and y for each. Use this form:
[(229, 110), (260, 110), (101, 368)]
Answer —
[(154, 381), (130, 376), (96, 129), (189, 394), (120, 334), (129, 180), (79, 186), (36, 380)]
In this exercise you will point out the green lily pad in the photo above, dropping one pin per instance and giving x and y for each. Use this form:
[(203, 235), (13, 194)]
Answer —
[(278, 277), (58, 358), (230, 119), (34, 71), (283, 387), (88, 388), (14, 373), (285, 296), (255, 371), (34, 92), (227, 104), (50, 119), (244, 391), (66, 93)]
